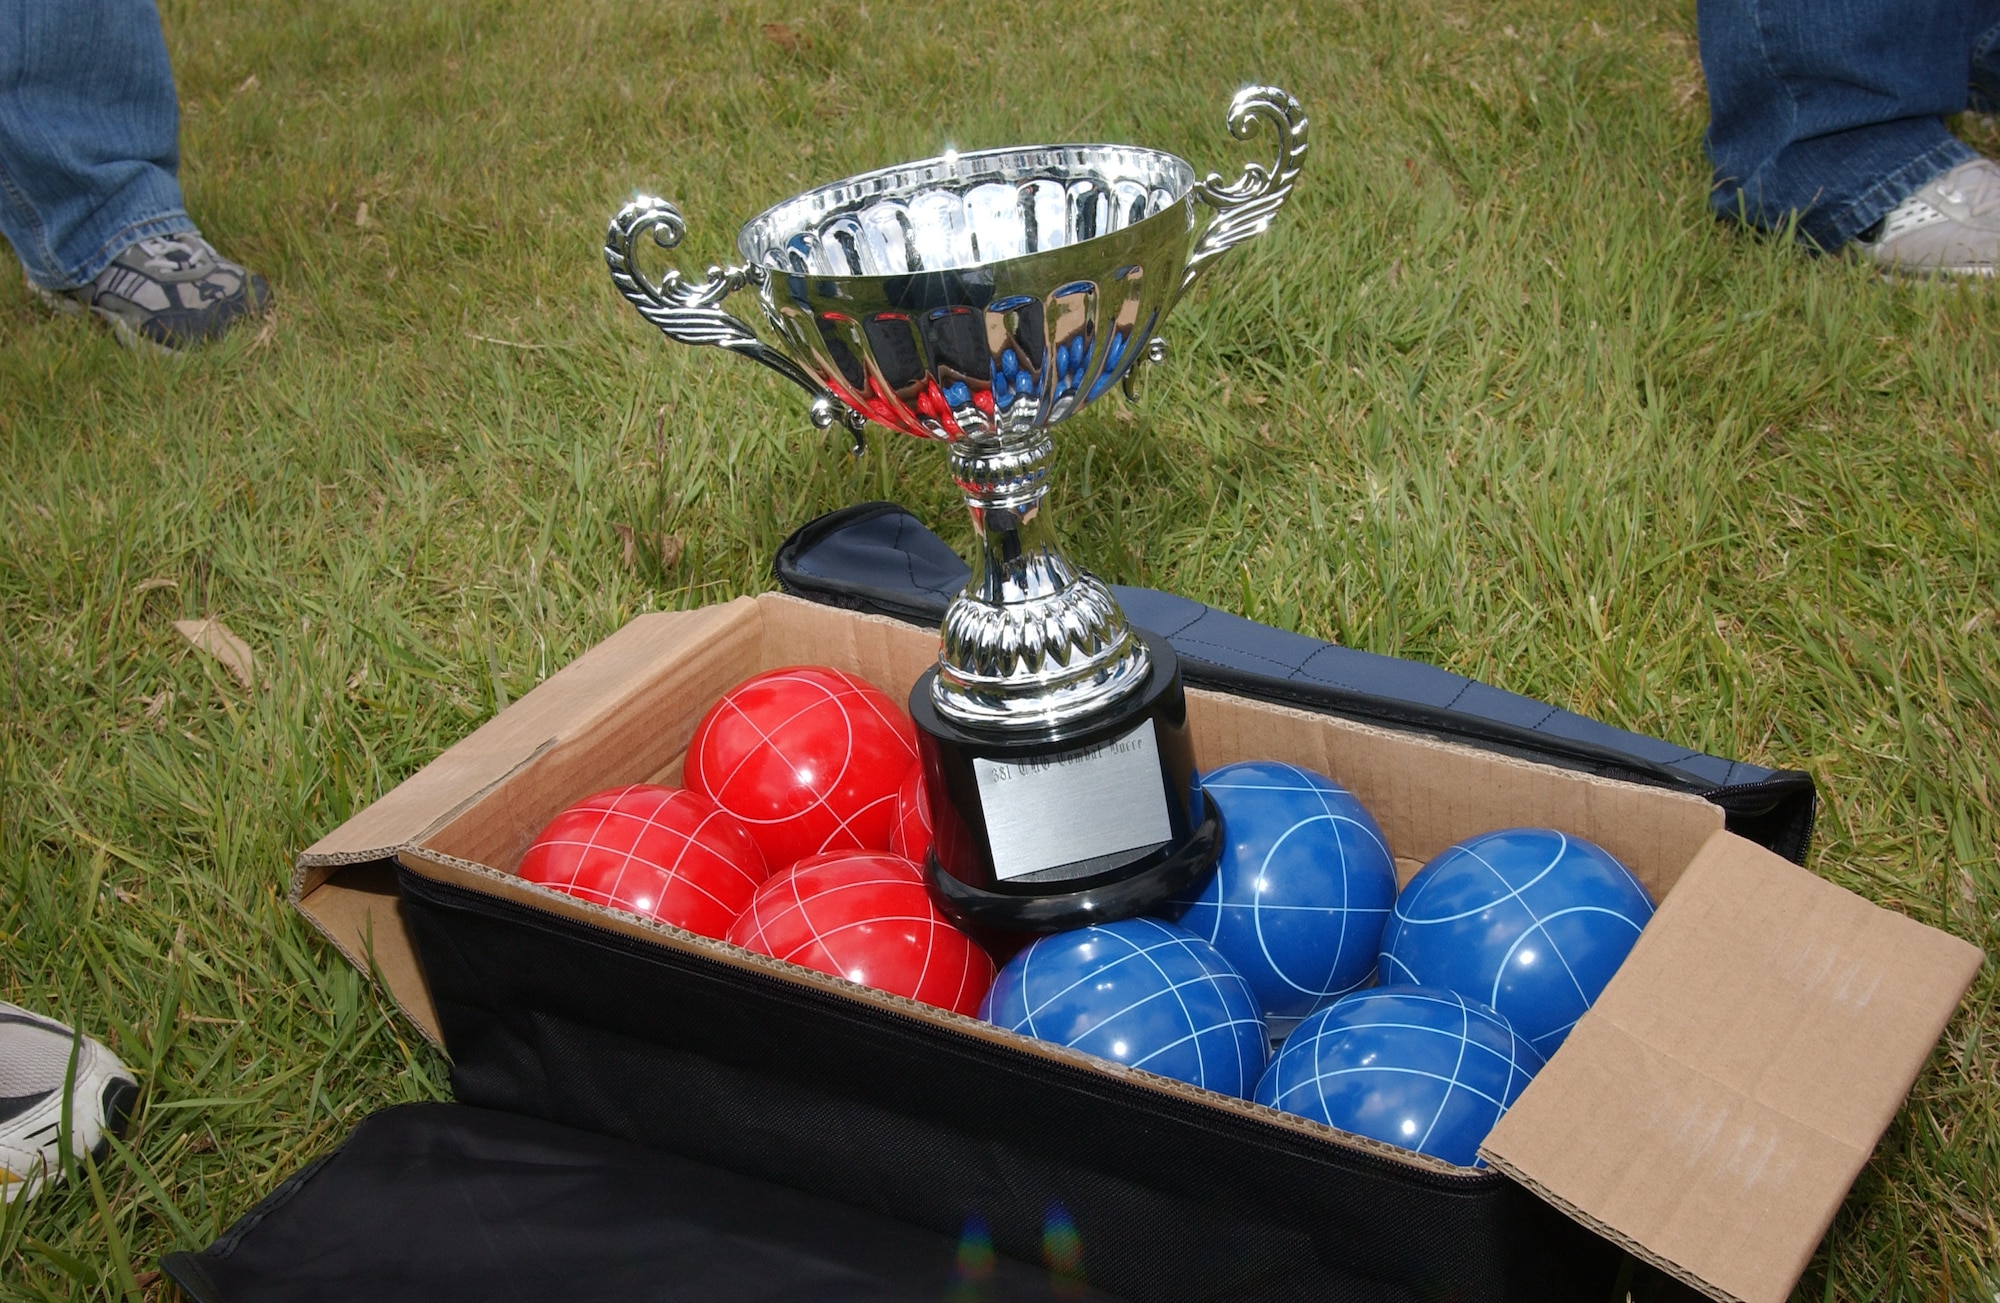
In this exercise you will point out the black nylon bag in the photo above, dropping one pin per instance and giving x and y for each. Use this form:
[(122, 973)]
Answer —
[(441, 1203), (1171, 1201), (877, 557)]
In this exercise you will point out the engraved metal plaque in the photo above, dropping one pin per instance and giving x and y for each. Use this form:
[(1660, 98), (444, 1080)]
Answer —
[(1076, 805)]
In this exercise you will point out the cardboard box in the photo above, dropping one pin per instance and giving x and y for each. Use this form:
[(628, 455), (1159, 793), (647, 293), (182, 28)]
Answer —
[(1709, 1114)]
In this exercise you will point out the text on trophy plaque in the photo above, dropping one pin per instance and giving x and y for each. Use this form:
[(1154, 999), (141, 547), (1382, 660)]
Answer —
[(1059, 809)]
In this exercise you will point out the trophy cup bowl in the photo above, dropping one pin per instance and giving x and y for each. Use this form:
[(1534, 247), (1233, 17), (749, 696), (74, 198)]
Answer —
[(979, 299)]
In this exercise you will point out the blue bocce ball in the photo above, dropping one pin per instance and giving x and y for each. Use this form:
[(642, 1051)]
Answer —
[(1141, 992), (1528, 920), (1301, 891), (1415, 1066)]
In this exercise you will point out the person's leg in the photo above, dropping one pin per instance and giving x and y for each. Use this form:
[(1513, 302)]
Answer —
[(89, 147), (89, 132), (1986, 57), (1831, 110)]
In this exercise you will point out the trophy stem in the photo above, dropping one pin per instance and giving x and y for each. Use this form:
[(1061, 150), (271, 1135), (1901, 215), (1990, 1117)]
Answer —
[(1032, 642)]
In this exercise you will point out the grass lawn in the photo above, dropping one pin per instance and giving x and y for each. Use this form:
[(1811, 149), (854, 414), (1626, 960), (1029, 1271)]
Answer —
[(1496, 393)]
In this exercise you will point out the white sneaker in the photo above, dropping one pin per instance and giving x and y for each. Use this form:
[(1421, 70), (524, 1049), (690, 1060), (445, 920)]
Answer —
[(1950, 227), (36, 1055)]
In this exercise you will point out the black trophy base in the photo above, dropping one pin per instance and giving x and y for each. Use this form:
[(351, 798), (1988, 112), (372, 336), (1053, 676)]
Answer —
[(1044, 830)]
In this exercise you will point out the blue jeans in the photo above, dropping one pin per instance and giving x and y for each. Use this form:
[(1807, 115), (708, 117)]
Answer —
[(1832, 110), (89, 135)]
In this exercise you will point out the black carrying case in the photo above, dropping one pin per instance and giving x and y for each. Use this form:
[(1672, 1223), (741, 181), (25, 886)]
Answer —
[(451, 1204), (1171, 1200), (823, 1121)]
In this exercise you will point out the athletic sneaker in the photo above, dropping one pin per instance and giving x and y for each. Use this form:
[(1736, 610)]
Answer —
[(36, 1054), (1950, 227), (170, 291)]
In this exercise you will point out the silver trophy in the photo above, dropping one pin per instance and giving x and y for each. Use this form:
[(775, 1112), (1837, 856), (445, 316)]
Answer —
[(978, 299)]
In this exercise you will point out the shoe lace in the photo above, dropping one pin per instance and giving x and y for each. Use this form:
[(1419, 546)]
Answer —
[(180, 252)]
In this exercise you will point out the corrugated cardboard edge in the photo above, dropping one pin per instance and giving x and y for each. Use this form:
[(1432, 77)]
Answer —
[(1427, 793), (357, 910), (567, 703), (1713, 1108)]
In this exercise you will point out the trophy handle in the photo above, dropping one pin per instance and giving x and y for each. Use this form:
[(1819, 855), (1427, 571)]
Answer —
[(1246, 206), (686, 312)]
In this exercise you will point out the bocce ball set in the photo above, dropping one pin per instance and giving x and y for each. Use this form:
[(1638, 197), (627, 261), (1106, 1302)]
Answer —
[(801, 835)]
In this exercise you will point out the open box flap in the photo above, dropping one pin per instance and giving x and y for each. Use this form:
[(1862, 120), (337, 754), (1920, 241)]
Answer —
[(1711, 1111), (345, 882), (567, 703)]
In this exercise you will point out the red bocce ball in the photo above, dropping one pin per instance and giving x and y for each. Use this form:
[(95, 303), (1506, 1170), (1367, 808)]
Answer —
[(910, 835), (866, 917), (808, 758), (662, 852)]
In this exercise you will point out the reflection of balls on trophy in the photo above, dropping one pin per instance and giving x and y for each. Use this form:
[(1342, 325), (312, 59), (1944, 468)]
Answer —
[(1418, 1067), (663, 852), (808, 758), (866, 917), (1530, 921), (1301, 890), (1141, 992), (980, 299)]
